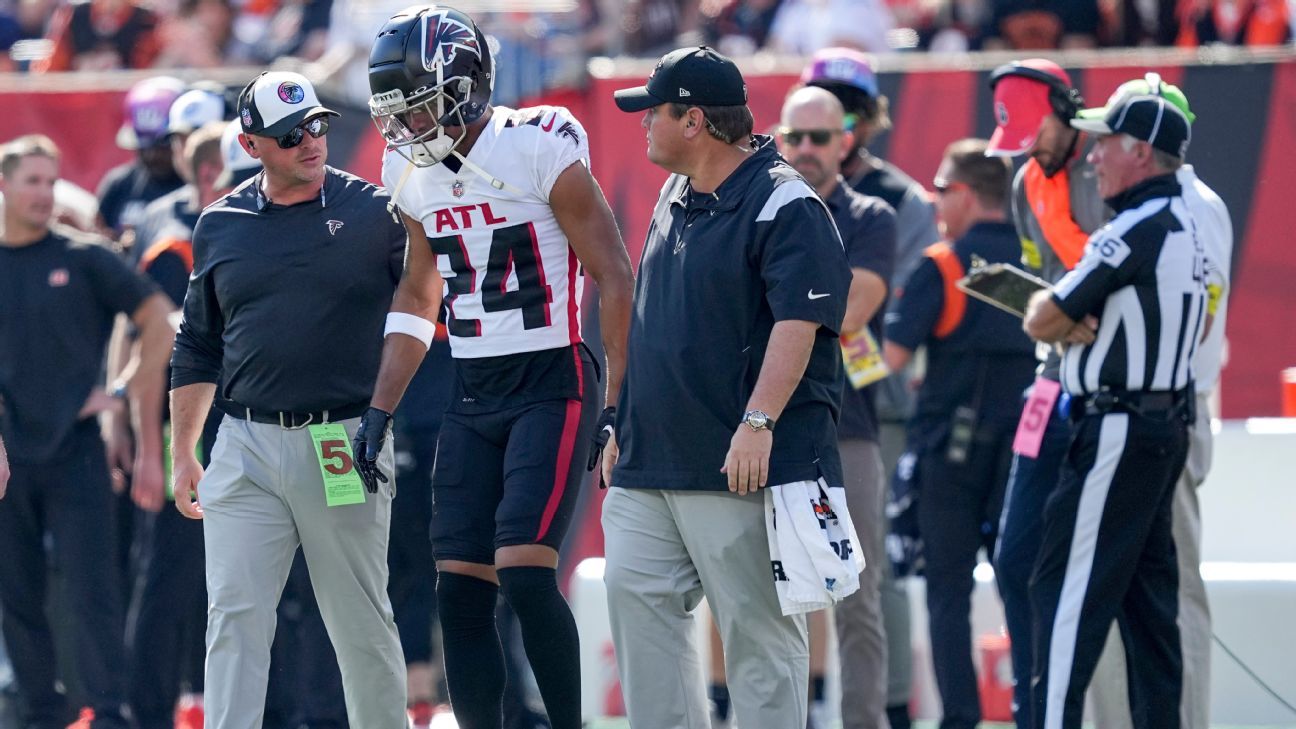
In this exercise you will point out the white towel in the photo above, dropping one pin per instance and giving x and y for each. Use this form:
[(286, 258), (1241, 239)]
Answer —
[(813, 545)]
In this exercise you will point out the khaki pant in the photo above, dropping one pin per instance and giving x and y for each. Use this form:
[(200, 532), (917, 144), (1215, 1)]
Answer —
[(1109, 692), (861, 640), (263, 495), (665, 549)]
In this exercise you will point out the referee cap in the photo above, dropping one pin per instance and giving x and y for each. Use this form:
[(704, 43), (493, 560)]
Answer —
[(1150, 85), (1154, 117)]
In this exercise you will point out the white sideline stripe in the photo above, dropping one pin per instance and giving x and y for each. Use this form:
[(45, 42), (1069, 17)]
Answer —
[(1210, 571), (1084, 537)]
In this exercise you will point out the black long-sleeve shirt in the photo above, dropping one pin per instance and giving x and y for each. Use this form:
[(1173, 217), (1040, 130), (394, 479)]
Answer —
[(286, 304)]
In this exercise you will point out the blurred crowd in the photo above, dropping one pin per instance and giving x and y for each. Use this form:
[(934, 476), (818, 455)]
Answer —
[(544, 45)]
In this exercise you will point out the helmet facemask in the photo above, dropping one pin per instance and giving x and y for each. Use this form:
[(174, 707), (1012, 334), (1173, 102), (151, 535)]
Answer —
[(416, 126)]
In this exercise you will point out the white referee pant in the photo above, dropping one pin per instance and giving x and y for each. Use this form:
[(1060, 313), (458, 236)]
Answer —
[(1109, 692), (262, 496)]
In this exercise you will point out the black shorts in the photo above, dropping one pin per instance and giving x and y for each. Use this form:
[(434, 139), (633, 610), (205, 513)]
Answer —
[(511, 476)]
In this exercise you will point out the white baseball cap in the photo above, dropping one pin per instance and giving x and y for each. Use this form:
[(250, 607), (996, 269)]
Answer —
[(239, 165), (194, 109), (276, 101)]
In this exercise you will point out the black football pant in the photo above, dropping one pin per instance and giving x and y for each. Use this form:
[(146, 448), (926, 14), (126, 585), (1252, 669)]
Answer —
[(412, 581), (69, 500), (1108, 554), (958, 514), (166, 625)]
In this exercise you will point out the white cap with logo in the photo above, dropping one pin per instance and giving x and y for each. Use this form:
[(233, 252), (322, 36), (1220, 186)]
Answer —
[(276, 101), (194, 109), (239, 165)]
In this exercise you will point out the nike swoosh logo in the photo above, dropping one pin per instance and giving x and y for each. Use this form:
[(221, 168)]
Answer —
[(549, 126), (812, 295)]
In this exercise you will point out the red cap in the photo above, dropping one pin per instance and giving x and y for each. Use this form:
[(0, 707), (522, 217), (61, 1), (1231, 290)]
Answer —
[(1020, 104)]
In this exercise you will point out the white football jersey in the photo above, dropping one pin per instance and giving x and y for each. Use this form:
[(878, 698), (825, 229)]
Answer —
[(512, 281)]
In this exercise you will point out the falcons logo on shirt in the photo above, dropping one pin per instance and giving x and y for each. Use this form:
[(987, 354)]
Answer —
[(443, 38)]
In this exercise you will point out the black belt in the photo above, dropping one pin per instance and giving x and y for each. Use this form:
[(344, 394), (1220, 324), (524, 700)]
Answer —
[(285, 419), (1159, 405)]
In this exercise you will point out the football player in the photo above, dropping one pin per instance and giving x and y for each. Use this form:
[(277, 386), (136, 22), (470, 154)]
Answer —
[(504, 218)]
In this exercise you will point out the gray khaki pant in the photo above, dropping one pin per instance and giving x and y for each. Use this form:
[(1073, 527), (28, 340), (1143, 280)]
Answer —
[(861, 640), (262, 497), (1109, 691), (665, 550)]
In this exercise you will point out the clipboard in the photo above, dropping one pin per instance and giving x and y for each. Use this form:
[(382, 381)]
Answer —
[(1001, 285)]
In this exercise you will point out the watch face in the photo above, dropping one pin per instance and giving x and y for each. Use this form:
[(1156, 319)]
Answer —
[(757, 419)]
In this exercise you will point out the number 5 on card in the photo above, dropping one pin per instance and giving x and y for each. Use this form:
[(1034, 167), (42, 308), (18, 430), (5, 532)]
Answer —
[(342, 484)]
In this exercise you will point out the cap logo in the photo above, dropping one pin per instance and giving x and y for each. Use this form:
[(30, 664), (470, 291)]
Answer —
[(291, 93), (149, 118), (246, 116), (1001, 113), (684, 93), (443, 37), (841, 69)]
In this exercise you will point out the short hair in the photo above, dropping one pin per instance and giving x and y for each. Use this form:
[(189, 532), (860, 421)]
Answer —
[(1166, 161), (989, 178), (872, 112), (204, 147), (29, 145), (729, 124)]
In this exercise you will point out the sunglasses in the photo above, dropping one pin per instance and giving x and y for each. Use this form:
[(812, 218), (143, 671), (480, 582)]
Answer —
[(316, 127), (942, 186), (818, 137)]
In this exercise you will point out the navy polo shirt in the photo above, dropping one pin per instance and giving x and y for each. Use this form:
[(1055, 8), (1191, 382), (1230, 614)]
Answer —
[(868, 231), (987, 360), (718, 270), (58, 299)]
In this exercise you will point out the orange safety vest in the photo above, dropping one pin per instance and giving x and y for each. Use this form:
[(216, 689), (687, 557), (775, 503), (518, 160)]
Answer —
[(951, 270), (1050, 203)]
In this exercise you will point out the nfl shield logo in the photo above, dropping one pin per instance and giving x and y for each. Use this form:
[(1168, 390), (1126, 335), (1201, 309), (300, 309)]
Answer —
[(457, 189)]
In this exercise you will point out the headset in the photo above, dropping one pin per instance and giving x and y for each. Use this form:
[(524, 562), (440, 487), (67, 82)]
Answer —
[(1066, 101)]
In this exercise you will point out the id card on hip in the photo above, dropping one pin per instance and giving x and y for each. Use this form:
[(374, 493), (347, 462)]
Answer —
[(1035, 417), (342, 484)]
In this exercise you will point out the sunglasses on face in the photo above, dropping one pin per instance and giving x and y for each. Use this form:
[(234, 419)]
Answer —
[(943, 186), (818, 137), (316, 127)]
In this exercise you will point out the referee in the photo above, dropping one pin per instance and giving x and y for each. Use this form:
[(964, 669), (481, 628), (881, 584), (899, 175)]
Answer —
[(1131, 313), (293, 274)]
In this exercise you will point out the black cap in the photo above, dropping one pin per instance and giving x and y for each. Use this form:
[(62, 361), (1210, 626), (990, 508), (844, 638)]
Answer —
[(696, 76), (1151, 119)]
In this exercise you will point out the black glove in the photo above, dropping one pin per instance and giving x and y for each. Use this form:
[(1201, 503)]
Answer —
[(602, 432), (368, 444)]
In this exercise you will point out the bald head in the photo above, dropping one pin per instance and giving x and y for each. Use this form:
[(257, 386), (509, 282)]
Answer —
[(812, 136), (811, 106)]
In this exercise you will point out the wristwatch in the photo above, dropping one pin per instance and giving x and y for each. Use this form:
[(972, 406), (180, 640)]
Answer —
[(757, 420)]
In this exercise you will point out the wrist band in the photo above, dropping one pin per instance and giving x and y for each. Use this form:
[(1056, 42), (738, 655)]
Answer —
[(415, 326)]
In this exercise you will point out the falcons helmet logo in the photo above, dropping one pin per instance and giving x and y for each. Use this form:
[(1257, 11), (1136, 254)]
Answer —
[(444, 37)]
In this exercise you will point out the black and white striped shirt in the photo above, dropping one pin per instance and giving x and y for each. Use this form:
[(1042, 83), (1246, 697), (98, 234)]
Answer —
[(1143, 276)]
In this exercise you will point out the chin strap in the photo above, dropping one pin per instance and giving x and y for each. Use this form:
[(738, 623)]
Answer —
[(400, 184), (495, 182), (476, 169)]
